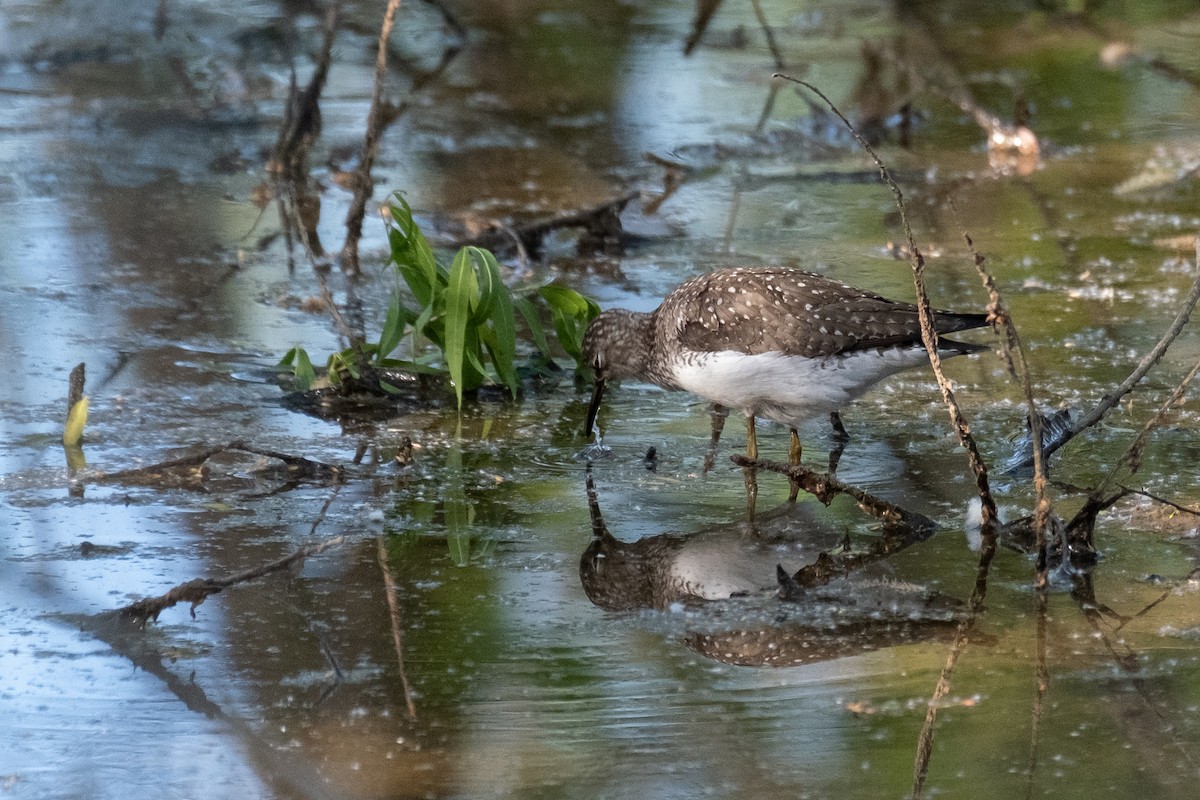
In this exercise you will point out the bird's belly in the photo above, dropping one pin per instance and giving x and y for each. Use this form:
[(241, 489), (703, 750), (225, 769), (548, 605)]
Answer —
[(789, 389)]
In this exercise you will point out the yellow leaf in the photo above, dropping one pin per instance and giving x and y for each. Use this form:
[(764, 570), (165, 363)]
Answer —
[(73, 432)]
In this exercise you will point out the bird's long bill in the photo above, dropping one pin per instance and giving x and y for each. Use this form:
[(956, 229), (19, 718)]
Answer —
[(594, 408)]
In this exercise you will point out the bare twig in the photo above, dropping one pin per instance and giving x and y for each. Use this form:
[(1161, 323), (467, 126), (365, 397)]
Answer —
[(303, 466), (928, 334), (601, 223), (375, 123), (1132, 457), (1144, 366), (1014, 357), (389, 584)]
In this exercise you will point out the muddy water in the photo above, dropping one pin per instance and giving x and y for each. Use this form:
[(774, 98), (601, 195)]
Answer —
[(129, 241)]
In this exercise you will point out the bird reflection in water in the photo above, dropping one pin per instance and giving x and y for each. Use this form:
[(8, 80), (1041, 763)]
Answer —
[(767, 592)]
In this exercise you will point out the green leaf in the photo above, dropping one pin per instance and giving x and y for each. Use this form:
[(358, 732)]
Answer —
[(460, 291), (393, 329), (488, 285), (502, 342), (571, 313), (411, 253), (76, 419), (474, 372), (296, 361), (530, 314)]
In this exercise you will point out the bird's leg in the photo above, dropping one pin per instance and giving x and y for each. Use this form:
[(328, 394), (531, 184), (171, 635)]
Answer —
[(751, 439), (750, 475), (794, 450), (719, 413)]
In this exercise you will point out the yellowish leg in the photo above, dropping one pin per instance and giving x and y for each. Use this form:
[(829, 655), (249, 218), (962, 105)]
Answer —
[(794, 450), (751, 439)]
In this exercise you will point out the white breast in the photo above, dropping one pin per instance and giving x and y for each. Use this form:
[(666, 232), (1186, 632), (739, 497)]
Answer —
[(789, 389)]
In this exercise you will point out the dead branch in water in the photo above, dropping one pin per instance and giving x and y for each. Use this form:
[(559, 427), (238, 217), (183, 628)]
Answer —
[(191, 466), (601, 225), (924, 309), (198, 590)]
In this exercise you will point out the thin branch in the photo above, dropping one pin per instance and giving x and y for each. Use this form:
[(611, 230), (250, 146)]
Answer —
[(826, 487), (1041, 685), (1014, 356), (928, 334), (375, 123), (1132, 457), (1144, 366)]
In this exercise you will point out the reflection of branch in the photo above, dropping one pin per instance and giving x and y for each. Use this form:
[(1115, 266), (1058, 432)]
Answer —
[(704, 14), (766, 27), (928, 334), (278, 766), (1159, 599), (1039, 694), (1094, 612), (389, 584), (961, 638)]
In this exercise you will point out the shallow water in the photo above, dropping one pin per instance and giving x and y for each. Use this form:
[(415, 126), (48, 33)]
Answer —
[(129, 241)]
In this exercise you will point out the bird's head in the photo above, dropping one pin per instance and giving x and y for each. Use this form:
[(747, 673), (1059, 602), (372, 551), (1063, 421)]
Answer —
[(616, 345)]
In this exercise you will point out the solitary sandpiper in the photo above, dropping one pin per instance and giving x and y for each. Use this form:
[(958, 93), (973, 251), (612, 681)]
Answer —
[(774, 342)]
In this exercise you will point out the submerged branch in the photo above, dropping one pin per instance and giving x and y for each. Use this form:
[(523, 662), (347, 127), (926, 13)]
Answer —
[(826, 487), (165, 472), (198, 590)]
